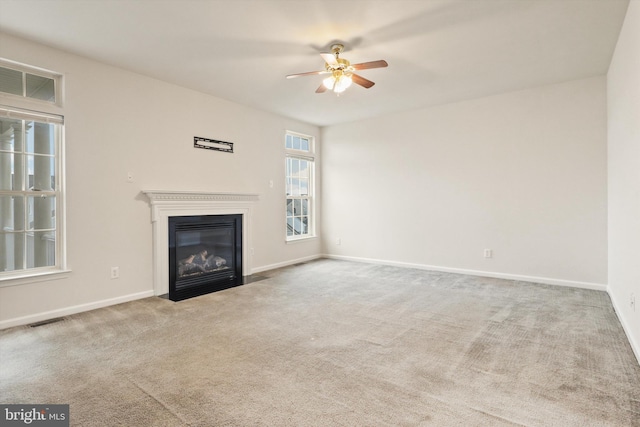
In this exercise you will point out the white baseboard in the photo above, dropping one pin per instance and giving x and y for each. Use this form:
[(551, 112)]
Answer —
[(635, 346), (534, 279), (46, 315), (285, 263)]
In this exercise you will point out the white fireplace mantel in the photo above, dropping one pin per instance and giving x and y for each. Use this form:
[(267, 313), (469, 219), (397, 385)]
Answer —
[(165, 204)]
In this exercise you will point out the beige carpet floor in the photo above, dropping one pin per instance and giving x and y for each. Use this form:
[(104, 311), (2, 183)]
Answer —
[(335, 343)]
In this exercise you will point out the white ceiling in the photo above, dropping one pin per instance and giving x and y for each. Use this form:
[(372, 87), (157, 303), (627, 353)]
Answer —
[(438, 51)]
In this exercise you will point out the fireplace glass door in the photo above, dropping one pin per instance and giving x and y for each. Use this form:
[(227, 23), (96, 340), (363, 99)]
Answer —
[(205, 254)]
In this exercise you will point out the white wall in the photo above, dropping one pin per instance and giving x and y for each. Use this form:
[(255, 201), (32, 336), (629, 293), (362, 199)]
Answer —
[(118, 121), (521, 173), (623, 100)]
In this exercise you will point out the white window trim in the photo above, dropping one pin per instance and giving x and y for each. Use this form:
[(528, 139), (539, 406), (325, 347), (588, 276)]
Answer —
[(311, 157), (35, 277)]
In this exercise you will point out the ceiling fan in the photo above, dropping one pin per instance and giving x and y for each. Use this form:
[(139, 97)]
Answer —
[(342, 72)]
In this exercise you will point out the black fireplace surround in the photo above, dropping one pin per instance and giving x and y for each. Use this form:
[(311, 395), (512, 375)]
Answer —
[(205, 254)]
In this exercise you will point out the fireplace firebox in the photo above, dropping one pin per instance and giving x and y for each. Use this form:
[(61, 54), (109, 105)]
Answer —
[(205, 254)]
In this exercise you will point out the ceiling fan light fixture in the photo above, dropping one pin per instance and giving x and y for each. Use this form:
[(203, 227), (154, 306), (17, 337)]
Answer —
[(342, 83), (338, 82), (329, 82)]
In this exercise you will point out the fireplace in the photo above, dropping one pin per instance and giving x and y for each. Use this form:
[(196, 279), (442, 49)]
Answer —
[(205, 254), (165, 204)]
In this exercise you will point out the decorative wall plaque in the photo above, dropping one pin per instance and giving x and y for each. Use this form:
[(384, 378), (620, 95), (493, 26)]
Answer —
[(212, 144)]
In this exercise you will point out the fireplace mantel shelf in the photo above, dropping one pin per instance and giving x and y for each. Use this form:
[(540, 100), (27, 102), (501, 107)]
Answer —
[(164, 195)]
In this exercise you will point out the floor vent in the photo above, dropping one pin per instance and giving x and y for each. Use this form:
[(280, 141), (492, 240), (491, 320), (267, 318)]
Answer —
[(46, 322)]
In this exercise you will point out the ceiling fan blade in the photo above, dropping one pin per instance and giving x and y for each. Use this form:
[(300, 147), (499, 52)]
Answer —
[(373, 64), (321, 89), (329, 58), (310, 73), (359, 80)]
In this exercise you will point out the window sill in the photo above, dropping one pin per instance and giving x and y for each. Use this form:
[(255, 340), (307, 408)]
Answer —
[(34, 277), (299, 239)]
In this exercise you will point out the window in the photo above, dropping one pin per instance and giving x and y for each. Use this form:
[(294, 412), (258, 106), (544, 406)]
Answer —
[(31, 144), (299, 174), (33, 84)]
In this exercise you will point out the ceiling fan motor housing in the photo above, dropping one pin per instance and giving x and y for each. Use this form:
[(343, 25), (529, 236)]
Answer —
[(342, 64)]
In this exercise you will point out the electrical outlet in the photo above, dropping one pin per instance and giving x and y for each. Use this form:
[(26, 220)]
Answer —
[(488, 253), (338, 241), (129, 177), (632, 302), (115, 272)]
